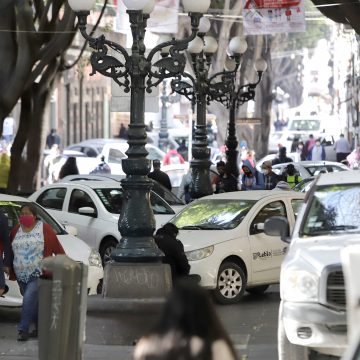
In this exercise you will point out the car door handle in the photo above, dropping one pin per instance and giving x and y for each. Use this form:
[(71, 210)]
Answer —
[(65, 223)]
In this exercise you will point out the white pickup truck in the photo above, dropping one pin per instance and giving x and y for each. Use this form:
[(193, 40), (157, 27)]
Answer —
[(312, 314)]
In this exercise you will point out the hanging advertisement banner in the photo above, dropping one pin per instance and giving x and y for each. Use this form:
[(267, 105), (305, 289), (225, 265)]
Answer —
[(277, 17)]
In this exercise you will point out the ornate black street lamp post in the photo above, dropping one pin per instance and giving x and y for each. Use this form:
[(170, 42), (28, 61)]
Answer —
[(137, 72), (231, 93), (200, 90), (196, 90)]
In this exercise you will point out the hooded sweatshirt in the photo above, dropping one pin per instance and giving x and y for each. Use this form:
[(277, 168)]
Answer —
[(254, 182)]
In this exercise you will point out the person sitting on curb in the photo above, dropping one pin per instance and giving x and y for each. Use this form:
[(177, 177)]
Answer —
[(173, 250)]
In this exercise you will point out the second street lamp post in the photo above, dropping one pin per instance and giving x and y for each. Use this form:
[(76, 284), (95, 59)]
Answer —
[(201, 49), (137, 72), (232, 94), (201, 91)]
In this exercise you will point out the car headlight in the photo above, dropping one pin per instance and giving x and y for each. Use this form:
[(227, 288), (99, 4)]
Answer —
[(95, 258), (200, 253), (299, 285)]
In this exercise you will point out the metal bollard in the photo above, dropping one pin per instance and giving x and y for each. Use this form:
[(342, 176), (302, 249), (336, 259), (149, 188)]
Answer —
[(62, 309)]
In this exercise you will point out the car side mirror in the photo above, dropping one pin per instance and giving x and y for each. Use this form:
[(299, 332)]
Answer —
[(257, 228), (277, 226), (87, 210)]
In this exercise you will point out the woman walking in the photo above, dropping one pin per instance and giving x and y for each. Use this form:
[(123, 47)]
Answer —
[(31, 241)]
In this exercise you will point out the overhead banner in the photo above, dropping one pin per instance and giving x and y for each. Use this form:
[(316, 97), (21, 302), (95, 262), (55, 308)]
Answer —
[(273, 16), (163, 19)]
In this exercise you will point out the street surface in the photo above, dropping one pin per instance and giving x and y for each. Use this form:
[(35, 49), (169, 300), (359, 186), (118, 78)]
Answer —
[(252, 325)]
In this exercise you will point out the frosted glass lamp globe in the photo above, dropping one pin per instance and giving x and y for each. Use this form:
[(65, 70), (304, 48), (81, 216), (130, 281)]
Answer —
[(81, 5)]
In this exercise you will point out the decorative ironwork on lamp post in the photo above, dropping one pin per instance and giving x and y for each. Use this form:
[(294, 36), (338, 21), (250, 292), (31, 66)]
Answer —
[(137, 72), (232, 94)]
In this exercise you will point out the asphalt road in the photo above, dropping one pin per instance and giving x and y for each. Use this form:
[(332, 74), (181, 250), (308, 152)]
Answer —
[(252, 325)]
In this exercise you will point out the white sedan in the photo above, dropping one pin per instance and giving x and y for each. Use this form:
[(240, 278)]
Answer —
[(74, 247), (93, 207), (225, 242)]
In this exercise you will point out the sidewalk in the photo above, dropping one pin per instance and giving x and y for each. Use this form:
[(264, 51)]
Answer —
[(111, 328), (10, 349)]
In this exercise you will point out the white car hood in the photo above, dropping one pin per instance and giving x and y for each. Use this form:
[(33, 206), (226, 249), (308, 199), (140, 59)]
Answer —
[(75, 248), (321, 251), (198, 239)]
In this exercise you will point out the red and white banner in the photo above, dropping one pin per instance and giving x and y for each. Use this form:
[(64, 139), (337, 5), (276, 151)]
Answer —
[(273, 16), (273, 4)]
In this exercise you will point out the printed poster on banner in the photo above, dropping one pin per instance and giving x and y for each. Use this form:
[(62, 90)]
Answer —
[(273, 16)]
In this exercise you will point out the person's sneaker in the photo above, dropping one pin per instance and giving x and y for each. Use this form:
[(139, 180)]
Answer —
[(23, 336)]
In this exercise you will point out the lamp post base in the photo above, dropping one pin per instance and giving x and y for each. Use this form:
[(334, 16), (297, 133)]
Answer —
[(136, 280)]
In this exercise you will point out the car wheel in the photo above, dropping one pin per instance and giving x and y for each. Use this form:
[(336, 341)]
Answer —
[(106, 248), (231, 283), (286, 349), (257, 290)]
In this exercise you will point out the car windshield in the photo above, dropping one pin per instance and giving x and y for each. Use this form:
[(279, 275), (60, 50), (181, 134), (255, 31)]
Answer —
[(305, 125), (12, 210), (220, 214), (334, 209)]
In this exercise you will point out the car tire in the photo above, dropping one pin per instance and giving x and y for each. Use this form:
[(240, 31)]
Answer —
[(105, 249), (257, 290), (286, 349), (231, 283)]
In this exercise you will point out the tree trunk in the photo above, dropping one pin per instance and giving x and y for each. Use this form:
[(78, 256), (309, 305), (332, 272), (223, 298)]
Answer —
[(19, 143)]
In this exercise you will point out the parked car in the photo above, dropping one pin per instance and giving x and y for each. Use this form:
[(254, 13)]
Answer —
[(113, 151), (312, 314), (93, 207), (158, 188), (350, 260), (312, 168), (74, 247), (225, 243), (99, 147), (93, 147)]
